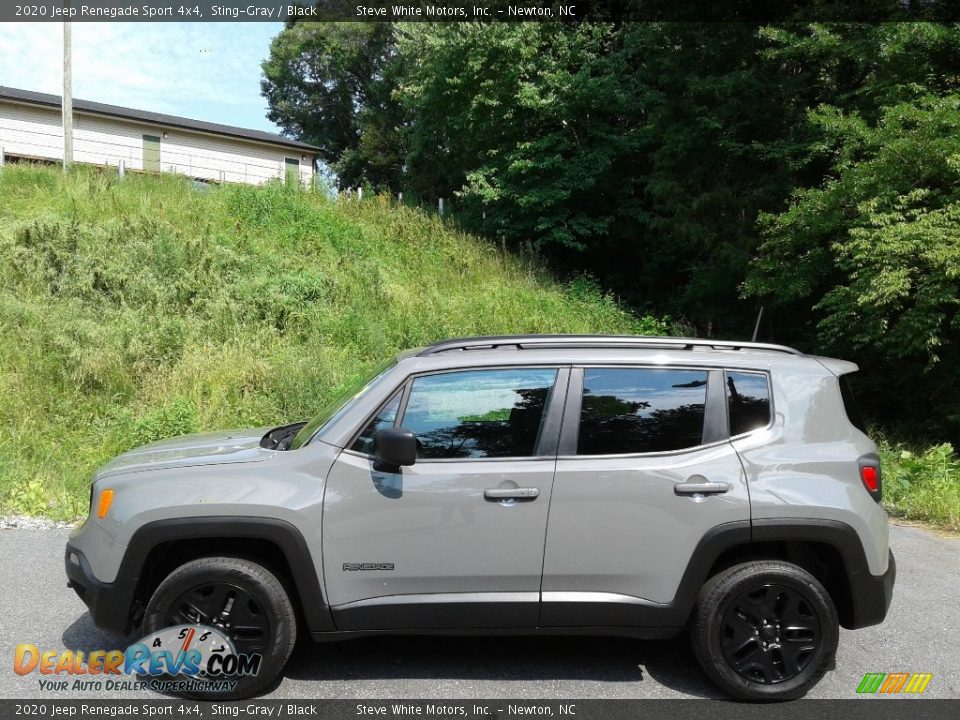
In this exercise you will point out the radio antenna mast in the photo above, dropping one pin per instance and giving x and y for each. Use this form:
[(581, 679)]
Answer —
[(756, 327)]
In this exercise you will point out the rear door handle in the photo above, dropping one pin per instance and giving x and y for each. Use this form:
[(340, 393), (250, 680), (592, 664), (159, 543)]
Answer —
[(704, 488), (511, 493)]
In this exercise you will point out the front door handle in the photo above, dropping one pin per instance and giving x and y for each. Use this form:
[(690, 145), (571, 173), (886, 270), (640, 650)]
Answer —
[(701, 488), (511, 493)]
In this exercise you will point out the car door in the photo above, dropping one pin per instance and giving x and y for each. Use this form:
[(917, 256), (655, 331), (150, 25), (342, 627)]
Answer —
[(625, 517), (455, 540)]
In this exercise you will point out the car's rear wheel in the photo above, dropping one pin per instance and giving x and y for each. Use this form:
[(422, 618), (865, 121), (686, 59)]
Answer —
[(764, 630), (238, 598)]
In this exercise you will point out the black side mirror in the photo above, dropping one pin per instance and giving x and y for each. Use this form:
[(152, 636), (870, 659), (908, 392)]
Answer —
[(393, 448)]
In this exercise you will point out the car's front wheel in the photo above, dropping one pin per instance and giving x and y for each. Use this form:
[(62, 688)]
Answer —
[(765, 630), (238, 599)]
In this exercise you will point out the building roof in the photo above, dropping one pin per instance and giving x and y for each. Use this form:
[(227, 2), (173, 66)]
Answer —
[(94, 108)]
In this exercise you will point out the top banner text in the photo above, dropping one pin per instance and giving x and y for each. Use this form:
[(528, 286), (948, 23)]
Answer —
[(481, 11)]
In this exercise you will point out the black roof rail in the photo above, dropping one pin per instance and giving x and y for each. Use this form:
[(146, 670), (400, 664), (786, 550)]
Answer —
[(524, 342)]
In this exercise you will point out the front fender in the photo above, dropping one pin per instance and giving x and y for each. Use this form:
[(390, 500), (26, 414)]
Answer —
[(112, 604)]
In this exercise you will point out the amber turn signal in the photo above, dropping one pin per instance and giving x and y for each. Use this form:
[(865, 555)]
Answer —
[(103, 506)]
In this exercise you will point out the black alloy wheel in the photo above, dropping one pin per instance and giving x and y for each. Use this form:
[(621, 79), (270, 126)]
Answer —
[(228, 607), (240, 598), (764, 630), (769, 634)]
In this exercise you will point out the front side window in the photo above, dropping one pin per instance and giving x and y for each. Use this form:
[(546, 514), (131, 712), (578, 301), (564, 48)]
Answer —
[(479, 413), (641, 410), (748, 401)]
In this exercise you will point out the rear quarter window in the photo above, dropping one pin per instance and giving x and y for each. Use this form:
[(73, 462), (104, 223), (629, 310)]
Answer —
[(850, 405), (748, 401)]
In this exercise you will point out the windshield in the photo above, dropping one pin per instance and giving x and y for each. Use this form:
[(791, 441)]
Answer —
[(336, 407)]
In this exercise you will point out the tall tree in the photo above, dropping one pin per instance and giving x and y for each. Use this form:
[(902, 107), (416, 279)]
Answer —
[(331, 84), (639, 152), (865, 261)]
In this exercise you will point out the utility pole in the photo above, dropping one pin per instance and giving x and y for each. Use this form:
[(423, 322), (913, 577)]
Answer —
[(67, 94)]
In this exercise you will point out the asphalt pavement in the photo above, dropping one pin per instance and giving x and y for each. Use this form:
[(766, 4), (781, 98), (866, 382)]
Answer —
[(921, 634)]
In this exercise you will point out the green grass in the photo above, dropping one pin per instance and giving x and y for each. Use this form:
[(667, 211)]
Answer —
[(138, 309), (142, 309), (922, 485)]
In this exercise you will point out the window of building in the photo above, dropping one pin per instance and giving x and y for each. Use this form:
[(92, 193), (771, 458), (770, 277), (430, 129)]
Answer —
[(151, 153), (292, 167)]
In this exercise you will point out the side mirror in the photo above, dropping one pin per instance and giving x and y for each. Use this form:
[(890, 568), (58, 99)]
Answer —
[(394, 447)]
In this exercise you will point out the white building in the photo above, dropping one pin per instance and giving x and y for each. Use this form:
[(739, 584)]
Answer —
[(31, 129)]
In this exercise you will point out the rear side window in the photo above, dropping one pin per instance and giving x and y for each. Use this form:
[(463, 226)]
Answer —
[(748, 401), (641, 410)]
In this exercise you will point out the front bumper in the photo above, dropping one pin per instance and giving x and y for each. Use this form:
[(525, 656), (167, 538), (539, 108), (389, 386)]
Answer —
[(109, 603), (871, 595)]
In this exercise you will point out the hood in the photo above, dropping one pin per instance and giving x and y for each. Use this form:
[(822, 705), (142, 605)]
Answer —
[(216, 448)]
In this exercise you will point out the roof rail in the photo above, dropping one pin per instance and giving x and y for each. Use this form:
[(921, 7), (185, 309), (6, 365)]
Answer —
[(525, 342)]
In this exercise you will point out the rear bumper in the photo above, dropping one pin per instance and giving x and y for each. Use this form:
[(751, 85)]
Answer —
[(871, 595), (109, 603)]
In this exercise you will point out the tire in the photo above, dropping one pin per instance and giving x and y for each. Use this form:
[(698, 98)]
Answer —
[(749, 660), (270, 622)]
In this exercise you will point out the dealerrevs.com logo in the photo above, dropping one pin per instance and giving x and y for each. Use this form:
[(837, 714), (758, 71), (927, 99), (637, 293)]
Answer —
[(894, 683), (182, 658)]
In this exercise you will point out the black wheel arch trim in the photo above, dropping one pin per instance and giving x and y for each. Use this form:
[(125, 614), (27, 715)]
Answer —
[(112, 604), (870, 595)]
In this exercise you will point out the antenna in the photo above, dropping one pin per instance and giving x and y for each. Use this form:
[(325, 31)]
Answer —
[(756, 327)]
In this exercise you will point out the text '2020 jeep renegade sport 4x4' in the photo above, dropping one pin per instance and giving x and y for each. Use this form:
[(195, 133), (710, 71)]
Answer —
[(531, 484)]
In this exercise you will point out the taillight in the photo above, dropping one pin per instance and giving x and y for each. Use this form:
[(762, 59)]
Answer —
[(870, 476)]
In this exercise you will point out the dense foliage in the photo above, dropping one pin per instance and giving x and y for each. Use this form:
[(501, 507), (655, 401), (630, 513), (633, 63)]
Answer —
[(332, 83), (140, 309), (923, 485), (700, 170)]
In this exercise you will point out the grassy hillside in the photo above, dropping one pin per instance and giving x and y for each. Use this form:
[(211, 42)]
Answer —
[(137, 309)]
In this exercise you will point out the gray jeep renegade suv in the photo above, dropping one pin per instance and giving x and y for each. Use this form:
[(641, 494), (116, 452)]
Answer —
[(636, 486)]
